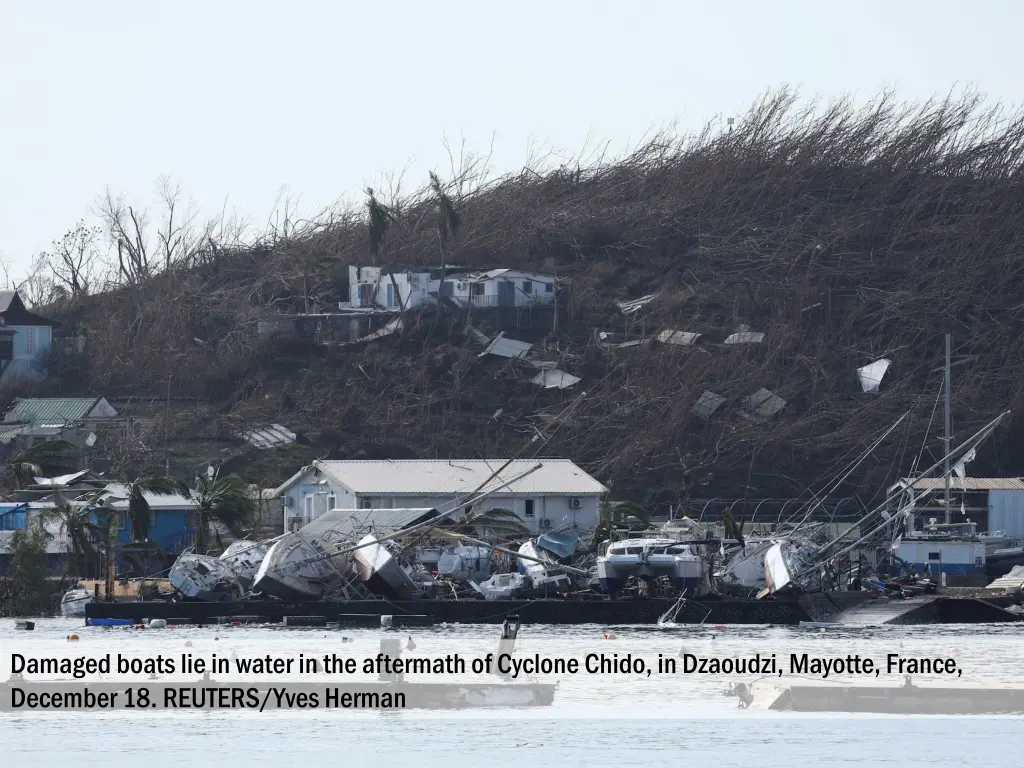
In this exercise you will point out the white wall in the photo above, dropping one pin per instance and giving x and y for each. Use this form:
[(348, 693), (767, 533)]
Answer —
[(413, 287), (556, 508), (539, 289), (296, 505)]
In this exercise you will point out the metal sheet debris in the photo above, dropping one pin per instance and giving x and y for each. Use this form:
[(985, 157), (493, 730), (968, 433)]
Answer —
[(745, 337), (707, 404), (478, 336), (762, 405), (505, 347), (269, 437), (552, 378), (629, 307), (633, 343), (871, 374), (679, 338)]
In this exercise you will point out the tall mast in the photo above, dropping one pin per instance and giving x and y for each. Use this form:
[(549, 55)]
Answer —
[(948, 431)]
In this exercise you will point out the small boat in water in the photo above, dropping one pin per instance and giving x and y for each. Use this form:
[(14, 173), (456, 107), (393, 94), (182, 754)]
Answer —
[(73, 603), (294, 569), (201, 577)]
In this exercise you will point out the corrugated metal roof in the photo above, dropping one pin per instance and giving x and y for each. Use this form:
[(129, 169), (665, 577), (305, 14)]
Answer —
[(53, 411), (117, 494), (414, 477), (505, 347), (629, 307), (269, 437), (707, 404), (351, 523), (762, 405), (745, 337), (968, 483), (681, 338)]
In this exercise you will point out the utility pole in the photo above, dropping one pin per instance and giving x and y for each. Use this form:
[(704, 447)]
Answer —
[(948, 430)]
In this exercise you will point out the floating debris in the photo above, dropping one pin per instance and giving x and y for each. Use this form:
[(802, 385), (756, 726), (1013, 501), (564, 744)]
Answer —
[(552, 378), (679, 338), (629, 307), (762, 405), (707, 404), (268, 437), (505, 347), (871, 374)]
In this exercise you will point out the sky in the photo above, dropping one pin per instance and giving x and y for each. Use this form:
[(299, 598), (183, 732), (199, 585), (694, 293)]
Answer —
[(246, 103)]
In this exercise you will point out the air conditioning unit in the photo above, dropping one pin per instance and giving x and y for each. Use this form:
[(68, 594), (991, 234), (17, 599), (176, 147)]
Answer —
[(575, 503), (366, 503), (545, 523), (461, 286)]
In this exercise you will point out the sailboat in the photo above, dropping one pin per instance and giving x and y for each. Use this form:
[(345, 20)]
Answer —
[(201, 577), (381, 573), (295, 568), (245, 556)]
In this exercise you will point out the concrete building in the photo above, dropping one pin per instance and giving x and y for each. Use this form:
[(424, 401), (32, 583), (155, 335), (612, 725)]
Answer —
[(558, 493), (25, 338)]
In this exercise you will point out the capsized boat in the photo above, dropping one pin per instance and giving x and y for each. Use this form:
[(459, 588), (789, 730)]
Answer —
[(245, 556), (295, 568), (201, 577), (381, 573), (652, 558), (501, 586), (73, 603)]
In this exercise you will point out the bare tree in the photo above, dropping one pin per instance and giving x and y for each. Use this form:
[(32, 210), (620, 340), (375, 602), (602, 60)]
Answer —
[(75, 257)]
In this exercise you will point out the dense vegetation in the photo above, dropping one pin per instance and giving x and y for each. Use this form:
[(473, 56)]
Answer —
[(843, 234)]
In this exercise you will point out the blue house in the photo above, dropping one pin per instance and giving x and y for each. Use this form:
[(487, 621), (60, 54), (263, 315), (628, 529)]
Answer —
[(25, 338), (173, 518)]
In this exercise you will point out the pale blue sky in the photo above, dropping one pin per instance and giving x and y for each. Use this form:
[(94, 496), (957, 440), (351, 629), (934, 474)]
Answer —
[(239, 100)]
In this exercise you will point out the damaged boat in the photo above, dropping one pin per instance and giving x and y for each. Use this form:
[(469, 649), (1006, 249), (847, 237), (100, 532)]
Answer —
[(245, 557), (201, 577), (295, 568), (648, 559)]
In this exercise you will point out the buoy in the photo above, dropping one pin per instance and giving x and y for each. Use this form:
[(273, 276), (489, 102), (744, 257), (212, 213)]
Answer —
[(719, 626), (609, 637), (410, 645), (188, 643), (158, 623), (73, 638)]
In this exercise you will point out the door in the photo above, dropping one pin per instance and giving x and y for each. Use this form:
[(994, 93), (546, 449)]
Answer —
[(506, 293)]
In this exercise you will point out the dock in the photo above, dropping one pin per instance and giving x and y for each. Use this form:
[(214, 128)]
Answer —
[(906, 699), (846, 608)]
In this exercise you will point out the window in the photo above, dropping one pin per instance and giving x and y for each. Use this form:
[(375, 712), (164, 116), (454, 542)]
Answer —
[(477, 289), (366, 503), (528, 504), (527, 287), (934, 555), (391, 295), (309, 507), (332, 502), (549, 287), (30, 340)]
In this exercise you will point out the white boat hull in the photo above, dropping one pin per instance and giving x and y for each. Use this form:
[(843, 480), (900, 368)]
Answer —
[(74, 601), (201, 577), (245, 558), (380, 572), (294, 569)]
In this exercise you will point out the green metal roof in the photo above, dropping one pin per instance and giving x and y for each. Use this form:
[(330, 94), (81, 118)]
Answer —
[(52, 411)]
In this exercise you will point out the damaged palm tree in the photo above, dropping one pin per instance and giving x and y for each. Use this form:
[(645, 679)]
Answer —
[(381, 217), (224, 500), (449, 222)]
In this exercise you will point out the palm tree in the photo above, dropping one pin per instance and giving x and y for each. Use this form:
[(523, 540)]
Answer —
[(51, 458), (381, 219), (226, 500), (154, 484), (495, 524), (449, 222), (84, 558)]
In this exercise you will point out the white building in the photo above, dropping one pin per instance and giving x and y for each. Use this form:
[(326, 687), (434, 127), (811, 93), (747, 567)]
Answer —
[(558, 493), (372, 288)]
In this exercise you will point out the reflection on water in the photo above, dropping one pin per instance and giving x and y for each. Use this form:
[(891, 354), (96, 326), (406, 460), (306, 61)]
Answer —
[(596, 720)]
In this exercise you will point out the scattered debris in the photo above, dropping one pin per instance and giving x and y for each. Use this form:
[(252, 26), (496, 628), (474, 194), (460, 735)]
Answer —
[(477, 335), (762, 405), (744, 335), (387, 330), (679, 338), (505, 347), (268, 437), (707, 404), (552, 378), (633, 343), (871, 374), (629, 307)]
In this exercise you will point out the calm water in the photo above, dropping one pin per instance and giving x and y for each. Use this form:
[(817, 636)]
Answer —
[(597, 720)]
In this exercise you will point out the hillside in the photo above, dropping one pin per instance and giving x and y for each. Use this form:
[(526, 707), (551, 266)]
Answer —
[(844, 236)]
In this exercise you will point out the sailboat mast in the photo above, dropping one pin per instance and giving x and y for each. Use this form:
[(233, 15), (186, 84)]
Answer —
[(948, 430)]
